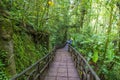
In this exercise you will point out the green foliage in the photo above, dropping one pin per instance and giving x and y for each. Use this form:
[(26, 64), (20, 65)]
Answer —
[(93, 25), (3, 63), (3, 76), (110, 52), (93, 47), (3, 56), (99, 37), (95, 56), (25, 51)]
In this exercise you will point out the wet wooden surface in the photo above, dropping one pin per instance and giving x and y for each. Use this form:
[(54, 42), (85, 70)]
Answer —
[(62, 68)]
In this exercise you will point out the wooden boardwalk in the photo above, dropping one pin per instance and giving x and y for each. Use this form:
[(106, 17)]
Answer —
[(62, 68)]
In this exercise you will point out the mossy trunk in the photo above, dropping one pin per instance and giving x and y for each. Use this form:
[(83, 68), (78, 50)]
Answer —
[(119, 30), (118, 5), (6, 44)]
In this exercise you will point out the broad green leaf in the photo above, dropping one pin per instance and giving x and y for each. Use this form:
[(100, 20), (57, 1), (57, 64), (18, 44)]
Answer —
[(110, 55), (95, 57)]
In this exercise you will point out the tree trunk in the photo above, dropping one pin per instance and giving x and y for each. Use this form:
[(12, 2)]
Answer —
[(119, 30), (6, 44), (108, 32)]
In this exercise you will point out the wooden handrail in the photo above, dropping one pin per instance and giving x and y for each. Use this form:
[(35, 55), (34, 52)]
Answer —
[(34, 68), (84, 69), (34, 72)]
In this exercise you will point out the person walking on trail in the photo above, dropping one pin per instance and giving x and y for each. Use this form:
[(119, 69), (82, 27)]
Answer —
[(69, 42)]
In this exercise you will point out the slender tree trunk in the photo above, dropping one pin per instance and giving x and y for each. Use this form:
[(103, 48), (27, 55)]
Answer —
[(102, 76), (82, 15), (108, 32), (6, 44), (119, 28)]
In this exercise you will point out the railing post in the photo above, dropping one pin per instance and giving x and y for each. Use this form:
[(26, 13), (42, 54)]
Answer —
[(77, 62), (38, 71), (88, 75), (49, 60), (85, 71)]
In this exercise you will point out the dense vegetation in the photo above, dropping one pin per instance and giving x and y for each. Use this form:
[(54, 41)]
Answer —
[(30, 28)]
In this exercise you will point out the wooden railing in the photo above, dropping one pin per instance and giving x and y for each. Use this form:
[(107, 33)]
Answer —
[(34, 72), (84, 69), (37, 70)]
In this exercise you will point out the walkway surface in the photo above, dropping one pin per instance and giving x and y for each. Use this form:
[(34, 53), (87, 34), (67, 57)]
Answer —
[(62, 68)]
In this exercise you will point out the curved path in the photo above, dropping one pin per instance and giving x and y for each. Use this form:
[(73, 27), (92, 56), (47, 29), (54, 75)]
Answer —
[(62, 68)]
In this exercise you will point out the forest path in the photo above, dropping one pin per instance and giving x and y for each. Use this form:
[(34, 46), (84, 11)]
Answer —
[(62, 68)]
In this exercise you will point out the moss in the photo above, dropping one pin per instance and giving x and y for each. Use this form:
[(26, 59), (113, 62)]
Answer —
[(6, 29), (25, 51), (6, 45)]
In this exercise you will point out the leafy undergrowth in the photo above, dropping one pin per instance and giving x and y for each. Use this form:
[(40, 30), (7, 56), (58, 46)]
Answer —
[(26, 51), (3, 73), (92, 47)]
